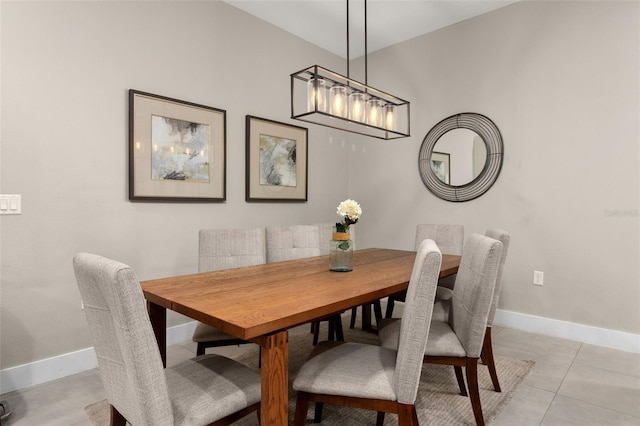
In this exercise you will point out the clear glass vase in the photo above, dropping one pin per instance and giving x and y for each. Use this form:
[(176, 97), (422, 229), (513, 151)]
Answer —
[(340, 252)]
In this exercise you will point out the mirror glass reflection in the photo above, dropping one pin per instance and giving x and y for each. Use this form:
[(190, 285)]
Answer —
[(458, 157)]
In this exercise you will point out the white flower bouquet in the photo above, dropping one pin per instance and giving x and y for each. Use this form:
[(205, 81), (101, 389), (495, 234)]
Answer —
[(350, 212)]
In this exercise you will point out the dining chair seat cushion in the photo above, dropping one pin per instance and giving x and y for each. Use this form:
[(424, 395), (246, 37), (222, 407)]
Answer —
[(441, 340), (350, 369), (444, 293), (441, 310), (200, 395), (205, 333), (389, 332)]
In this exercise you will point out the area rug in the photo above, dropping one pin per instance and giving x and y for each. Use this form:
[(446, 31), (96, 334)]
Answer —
[(438, 402)]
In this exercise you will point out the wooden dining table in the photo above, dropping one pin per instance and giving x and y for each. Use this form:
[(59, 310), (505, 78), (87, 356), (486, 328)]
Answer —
[(261, 303)]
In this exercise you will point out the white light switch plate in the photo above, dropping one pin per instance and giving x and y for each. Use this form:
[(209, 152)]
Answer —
[(10, 204)]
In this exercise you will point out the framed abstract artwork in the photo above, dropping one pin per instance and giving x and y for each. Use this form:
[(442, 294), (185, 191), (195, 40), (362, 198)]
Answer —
[(276, 161), (177, 150)]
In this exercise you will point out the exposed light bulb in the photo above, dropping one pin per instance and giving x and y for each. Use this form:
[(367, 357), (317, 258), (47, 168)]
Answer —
[(356, 101), (338, 95), (390, 117), (374, 112), (316, 95)]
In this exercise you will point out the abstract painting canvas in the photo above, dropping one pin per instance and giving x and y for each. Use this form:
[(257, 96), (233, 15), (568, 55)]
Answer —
[(180, 150), (277, 161)]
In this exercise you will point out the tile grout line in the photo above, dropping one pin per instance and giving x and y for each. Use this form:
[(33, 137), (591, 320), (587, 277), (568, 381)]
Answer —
[(589, 402), (555, 394)]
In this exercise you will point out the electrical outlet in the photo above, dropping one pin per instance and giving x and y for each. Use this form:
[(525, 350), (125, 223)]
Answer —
[(538, 277)]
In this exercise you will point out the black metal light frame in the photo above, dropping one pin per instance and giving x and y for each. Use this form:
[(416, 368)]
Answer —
[(300, 109)]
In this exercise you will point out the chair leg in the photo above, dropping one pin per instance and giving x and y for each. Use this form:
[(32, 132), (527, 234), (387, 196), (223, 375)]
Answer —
[(377, 310), (487, 359), (332, 329), (338, 326), (354, 313), (406, 415), (317, 413), (474, 393), (316, 334), (380, 418), (389, 311), (302, 404), (201, 349), (460, 378), (414, 413), (116, 419)]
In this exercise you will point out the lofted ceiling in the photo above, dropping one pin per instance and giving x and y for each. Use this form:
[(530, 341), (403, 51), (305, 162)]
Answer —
[(324, 22)]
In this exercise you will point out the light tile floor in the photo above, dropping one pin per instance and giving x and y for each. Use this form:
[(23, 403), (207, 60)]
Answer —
[(571, 384)]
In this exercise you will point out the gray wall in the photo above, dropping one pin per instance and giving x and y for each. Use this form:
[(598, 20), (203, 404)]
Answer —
[(66, 70), (560, 79)]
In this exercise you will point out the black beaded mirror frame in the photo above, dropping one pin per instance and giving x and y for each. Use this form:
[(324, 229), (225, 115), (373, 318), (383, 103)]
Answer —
[(488, 131)]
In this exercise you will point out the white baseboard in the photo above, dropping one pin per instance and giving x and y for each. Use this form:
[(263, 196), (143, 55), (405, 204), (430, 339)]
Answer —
[(57, 367), (26, 375), (620, 340)]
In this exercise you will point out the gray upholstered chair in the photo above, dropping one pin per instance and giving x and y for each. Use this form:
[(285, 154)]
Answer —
[(443, 302), (370, 376), (450, 240), (292, 242), (458, 341), (225, 249), (487, 345), (209, 389), (297, 242)]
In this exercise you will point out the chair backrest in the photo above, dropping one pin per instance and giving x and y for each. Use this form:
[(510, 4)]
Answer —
[(230, 248), (292, 242), (449, 238), (128, 356), (325, 231), (416, 319), (473, 291), (504, 238)]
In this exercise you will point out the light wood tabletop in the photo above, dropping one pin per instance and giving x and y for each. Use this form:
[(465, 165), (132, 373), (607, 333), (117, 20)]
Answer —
[(260, 303)]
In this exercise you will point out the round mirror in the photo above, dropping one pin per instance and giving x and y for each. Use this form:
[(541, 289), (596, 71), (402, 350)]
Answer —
[(458, 157), (461, 157)]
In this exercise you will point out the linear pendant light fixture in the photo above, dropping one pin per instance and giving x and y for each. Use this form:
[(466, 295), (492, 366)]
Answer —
[(324, 97)]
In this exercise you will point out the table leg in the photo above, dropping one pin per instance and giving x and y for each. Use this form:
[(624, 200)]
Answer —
[(275, 379), (158, 317)]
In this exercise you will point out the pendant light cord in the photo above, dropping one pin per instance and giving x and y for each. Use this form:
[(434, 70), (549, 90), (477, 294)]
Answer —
[(348, 75), (365, 43), (366, 48)]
